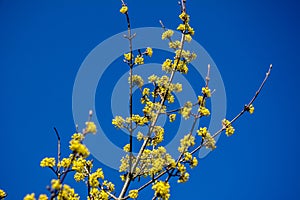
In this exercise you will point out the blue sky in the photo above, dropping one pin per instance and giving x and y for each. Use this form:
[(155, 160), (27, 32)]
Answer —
[(43, 43)]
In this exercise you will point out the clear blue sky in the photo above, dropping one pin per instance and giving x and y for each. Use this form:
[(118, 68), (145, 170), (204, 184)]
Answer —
[(43, 43)]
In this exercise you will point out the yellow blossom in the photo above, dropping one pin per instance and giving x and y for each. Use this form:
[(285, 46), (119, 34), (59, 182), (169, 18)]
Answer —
[(184, 178), (184, 17), (167, 34), (136, 81), (188, 37), (172, 117), (133, 194), (30, 197), (139, 60), (79, 176), (188, 156), (48, 162), (206, 91), (186, 142), (118, 121), (229, 128), (67, 193), (90, 127), (55, 184), (149, 51), (124, 9), (126, 148), (162, 189), (128, 56), (43, 197), (65, 162), (139, 136), (194, 162), (2, 194), (251, 109), (181, 27), (203, 111), (77, 147)]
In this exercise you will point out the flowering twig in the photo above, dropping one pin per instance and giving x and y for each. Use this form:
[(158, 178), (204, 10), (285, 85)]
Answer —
[(242, 112)]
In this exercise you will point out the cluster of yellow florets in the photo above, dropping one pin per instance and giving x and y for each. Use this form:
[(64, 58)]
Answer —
[(133, 194), (186, 142), (186, 110), (228, 127), (48, 162), (2, 194), (152, 162), (162, 189), (90, 127), (167, 34), (136, 81), (209, 141), (206, 92)]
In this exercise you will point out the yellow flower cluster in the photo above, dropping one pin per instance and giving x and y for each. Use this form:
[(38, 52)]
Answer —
[(139, 136), (124, 9), (229, 128), (203, 111), (187, 55), (93, 179), (167, 66), (158, 135), (184, 17), (43, 197), (79, 164), (136, 81), (48, 162), (118, 121), (133, 194), (77, 147), (126, 148), (139, 120), (206, 91), (209, 141), (181, 66), (65, 162), (175, 44), (172, 117), (139, 60), (97, 194), (30, 197), (190, 159), (162, 189), (167, 34), (55, 184), (188, 37), (90, 127), (2, 194), (108, 186), (186, 110), (186, 29), (251, 109), (186, 142), (67, 193), (152, 162), (128, 56), (149, 51)]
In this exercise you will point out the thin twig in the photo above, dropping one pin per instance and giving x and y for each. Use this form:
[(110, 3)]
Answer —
[(58, 152)]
